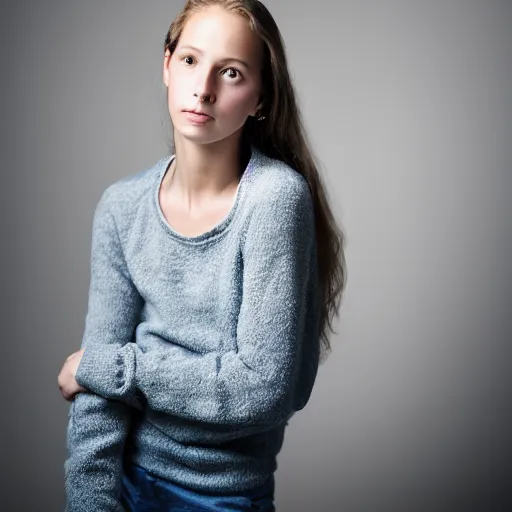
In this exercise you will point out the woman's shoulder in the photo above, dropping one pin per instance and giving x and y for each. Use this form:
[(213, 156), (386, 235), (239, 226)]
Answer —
[(273, 177), (274, 181), (126, 193)]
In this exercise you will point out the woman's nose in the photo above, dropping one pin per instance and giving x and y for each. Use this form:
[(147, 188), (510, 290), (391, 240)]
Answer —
[(204, 88), (204, 97)]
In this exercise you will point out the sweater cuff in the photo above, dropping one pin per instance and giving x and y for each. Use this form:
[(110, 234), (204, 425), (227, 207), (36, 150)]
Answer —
[(107, 370)]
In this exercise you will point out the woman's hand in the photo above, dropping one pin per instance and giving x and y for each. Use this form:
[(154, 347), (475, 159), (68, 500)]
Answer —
[(66, 379)]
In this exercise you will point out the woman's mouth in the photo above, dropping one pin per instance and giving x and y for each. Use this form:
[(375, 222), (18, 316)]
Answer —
[(196, 118)]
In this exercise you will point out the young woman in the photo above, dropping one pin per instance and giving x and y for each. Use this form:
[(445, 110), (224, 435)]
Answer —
[(215, 276)]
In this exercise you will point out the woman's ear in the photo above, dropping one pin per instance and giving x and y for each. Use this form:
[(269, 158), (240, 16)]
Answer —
[(259, 106), (167, 58)]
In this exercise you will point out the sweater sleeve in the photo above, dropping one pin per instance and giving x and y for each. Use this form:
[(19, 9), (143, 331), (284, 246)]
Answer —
[(256, 384), (97, 427)]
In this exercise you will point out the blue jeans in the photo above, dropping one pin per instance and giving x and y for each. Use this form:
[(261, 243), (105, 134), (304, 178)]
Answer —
[(144, 492)]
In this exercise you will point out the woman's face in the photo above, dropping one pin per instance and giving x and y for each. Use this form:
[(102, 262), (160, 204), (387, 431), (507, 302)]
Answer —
[(206, 61)]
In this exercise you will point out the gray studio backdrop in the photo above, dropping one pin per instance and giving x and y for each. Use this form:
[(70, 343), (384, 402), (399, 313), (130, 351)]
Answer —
[(409, 109)]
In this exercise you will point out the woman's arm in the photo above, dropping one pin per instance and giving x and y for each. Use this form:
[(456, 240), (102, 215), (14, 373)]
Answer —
[(98, 427), (257, 385)]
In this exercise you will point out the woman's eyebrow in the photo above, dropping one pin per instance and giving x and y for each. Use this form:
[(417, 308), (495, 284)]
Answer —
[(227, 59)]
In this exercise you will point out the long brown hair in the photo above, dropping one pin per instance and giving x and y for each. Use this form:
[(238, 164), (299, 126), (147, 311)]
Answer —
[(282, 135)]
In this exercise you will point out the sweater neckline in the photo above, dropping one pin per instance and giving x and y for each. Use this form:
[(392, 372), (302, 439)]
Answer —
[(165, 163)]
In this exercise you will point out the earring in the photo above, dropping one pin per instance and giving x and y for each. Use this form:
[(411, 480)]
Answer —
[(260, 118)]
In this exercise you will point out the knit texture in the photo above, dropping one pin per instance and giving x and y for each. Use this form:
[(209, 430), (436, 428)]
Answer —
[(198, 350)]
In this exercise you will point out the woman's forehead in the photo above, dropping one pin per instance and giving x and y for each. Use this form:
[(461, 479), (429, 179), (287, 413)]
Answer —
[(223, 34)]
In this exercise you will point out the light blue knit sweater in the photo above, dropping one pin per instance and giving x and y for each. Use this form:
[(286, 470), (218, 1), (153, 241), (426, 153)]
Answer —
[(198, 350)]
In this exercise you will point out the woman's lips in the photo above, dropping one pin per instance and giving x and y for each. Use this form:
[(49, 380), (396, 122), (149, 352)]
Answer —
[(197, 118)]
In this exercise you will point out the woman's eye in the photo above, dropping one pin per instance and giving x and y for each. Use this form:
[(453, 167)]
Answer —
[(235, 71)]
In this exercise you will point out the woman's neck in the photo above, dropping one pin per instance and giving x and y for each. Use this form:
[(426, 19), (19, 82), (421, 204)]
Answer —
[(202, 171)]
